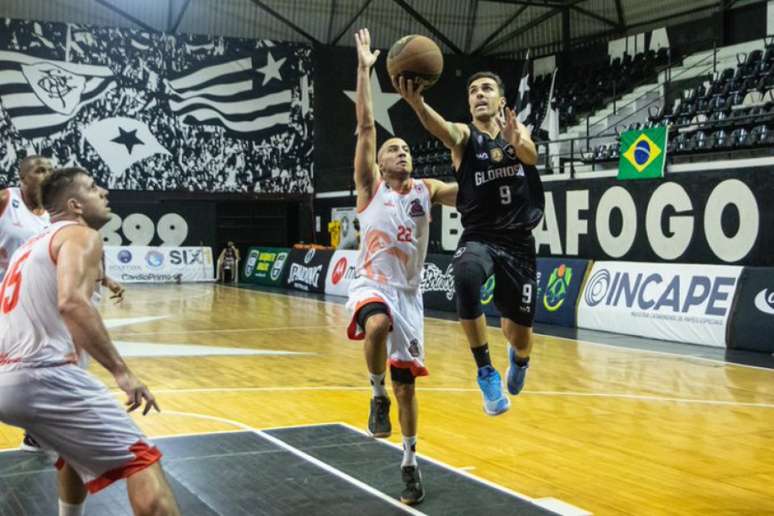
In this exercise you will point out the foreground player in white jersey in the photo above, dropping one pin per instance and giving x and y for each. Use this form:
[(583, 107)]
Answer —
[(386, 301), (46, 315), (21, 216)]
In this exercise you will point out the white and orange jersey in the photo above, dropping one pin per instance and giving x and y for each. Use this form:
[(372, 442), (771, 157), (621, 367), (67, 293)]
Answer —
[(17, 225), (395, 229), (32, 332)]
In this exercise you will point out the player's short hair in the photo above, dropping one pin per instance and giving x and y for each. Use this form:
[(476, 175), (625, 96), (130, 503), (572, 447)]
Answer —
[(26, 163), (58, 186), (489, 75)]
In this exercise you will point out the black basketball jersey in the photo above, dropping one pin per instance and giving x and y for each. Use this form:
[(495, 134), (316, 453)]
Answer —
[(500, 199)]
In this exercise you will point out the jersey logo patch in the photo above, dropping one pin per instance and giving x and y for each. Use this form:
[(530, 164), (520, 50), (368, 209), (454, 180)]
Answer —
[(510, 151), (460, 252), (483, 156), (416, 209), (15, 203), (496, 154)]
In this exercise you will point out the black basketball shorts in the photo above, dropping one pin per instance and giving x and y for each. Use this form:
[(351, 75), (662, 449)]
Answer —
[(515, 273)]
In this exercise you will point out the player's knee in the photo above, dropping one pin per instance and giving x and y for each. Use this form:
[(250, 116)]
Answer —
[(468, 278), (159, 503), (377, 325)]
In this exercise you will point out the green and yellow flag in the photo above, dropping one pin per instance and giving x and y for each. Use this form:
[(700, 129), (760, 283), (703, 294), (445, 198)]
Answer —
[(643, 153)]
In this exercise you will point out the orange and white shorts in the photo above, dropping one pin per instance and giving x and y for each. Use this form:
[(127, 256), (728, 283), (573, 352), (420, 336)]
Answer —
[(405, 343), (70, 412)]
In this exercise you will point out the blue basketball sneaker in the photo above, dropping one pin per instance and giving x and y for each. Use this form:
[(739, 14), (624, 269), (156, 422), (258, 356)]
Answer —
[(516, 374), (495, 402)]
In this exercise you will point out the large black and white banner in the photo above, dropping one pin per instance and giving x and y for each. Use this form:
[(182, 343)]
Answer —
[(712, 217), (152, 111)]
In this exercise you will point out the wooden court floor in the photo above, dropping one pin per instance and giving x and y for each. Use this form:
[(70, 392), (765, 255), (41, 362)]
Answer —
[(609, 430)]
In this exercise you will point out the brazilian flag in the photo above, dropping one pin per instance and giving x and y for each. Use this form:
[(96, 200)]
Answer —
[(643, 153)]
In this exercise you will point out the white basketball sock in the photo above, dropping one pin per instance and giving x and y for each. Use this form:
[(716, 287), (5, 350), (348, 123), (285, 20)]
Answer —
[(377, 384), (71, 509), (409, 451)]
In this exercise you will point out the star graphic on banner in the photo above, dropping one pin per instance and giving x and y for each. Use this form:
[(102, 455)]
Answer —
[(272, 69), (128, 138), (382, 103)]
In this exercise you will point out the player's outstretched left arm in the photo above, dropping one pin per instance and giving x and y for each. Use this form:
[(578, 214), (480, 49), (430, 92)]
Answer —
[(77, 251), (366, 172), (518, 135), (442, 193)]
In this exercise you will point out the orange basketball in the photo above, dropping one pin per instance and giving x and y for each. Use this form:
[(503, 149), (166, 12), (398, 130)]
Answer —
[(415, 57)]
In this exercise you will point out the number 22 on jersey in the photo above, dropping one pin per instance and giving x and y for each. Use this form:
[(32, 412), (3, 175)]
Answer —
[(13, 281)]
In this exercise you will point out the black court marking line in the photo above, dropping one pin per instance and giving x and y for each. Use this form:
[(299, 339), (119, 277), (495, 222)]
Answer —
[(721, 356), (378, 464), (235, 473)]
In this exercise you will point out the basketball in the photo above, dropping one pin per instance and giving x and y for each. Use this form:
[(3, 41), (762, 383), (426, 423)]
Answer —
[(415, 57)]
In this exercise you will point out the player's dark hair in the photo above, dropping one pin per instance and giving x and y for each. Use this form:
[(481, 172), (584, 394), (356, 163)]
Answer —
[(26, 163), (489, 75), (58, 186)]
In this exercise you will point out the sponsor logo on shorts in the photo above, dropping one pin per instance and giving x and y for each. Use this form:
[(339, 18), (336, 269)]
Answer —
[(556, 290), (124, 256), (413, 348), (309, 256), (154, 258), (416, 209), (487, 290), (460, 252), (764, 301), (15, 203)]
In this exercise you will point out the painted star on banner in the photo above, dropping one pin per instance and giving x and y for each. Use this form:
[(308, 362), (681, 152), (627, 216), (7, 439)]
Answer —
[(272, 69), (382, 103), (128, 138)]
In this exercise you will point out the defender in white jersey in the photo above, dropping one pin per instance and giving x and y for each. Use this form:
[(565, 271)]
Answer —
[(46, 315), (386, 301), (21, 216), (21, 211)]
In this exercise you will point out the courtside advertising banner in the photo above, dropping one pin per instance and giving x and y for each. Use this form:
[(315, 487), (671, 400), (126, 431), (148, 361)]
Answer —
[(752, 324), (438, 283), (143, 264), (341, 272), (264, 265), (559, 283), (679, 302), (306, 270)]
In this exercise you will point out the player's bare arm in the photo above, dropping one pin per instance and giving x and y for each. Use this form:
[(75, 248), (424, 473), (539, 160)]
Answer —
[(366, 172), (454, 136), (518, 135), (77, 251), (442, 193)]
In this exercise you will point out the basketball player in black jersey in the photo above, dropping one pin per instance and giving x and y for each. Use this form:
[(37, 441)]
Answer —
[(500, 201)]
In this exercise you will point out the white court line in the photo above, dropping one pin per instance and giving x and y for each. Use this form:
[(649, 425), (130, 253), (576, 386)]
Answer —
[(568, 339), (235, 330), (320, 464), (638, 397), (462, 472)]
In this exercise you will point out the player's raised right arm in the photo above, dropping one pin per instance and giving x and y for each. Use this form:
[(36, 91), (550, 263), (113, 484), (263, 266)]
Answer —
[(454, 136), (365, 149)]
